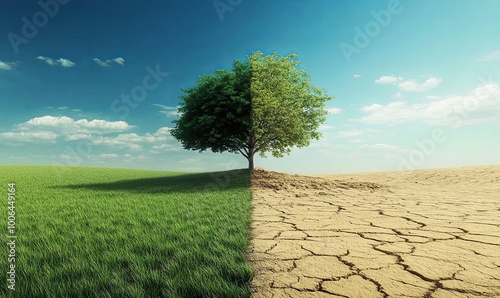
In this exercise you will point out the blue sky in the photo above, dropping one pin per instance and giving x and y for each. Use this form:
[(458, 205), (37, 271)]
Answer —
[(96, 83)]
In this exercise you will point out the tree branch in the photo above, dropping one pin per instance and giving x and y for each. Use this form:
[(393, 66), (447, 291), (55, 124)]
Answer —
[(260, 146), (243, 153)]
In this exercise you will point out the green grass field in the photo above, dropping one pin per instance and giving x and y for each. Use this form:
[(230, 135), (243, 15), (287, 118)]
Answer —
[(98, 232)]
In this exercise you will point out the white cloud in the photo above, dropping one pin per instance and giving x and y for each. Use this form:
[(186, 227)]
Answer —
[(135, 138), (119, 60), (116, 142), (67, 124), (408, 85), (170, 112), (164, 131), (6, 65), (96, 132), (495, 55), (100, 157), (334, 111), (47, 60), (371, 108), (100, 62), (103, 125), (479, 105), (49, 121), (165, 148), (72, 130), (356, 76), (394, 112), (29, 136), (388, 80), (350, 133), (356, 141), (413, 86), (59, 62), (190, 161), (380, 146), (78, 137), (65, 62), (129, 157), (135, 142), (109, 62), (397, 95), (325, 127)]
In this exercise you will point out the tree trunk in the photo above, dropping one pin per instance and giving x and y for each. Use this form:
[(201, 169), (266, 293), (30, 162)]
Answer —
[(251, 152), (250, 162)]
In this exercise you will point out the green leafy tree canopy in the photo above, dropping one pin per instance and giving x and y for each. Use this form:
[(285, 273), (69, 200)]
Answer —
[(265, 104)]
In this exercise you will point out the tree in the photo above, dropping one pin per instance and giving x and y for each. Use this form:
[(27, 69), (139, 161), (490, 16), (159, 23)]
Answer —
[(263, 105)]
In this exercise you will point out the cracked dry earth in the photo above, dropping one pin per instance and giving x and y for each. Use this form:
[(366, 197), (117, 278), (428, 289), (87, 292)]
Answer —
[(425, 233)]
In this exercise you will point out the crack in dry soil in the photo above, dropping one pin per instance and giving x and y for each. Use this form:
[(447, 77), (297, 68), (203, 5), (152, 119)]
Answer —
[(337, 236)]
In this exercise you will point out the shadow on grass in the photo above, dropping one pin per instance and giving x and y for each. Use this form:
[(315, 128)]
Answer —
[(183, 183)]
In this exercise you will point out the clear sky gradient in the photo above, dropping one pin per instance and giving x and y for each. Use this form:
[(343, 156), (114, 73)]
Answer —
[(96, 83)]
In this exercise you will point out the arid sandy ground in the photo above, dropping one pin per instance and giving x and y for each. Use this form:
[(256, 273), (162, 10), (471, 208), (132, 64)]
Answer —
[(426, 233)]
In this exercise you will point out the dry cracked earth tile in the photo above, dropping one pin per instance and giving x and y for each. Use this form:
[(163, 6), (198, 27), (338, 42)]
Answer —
[(426, 233)]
